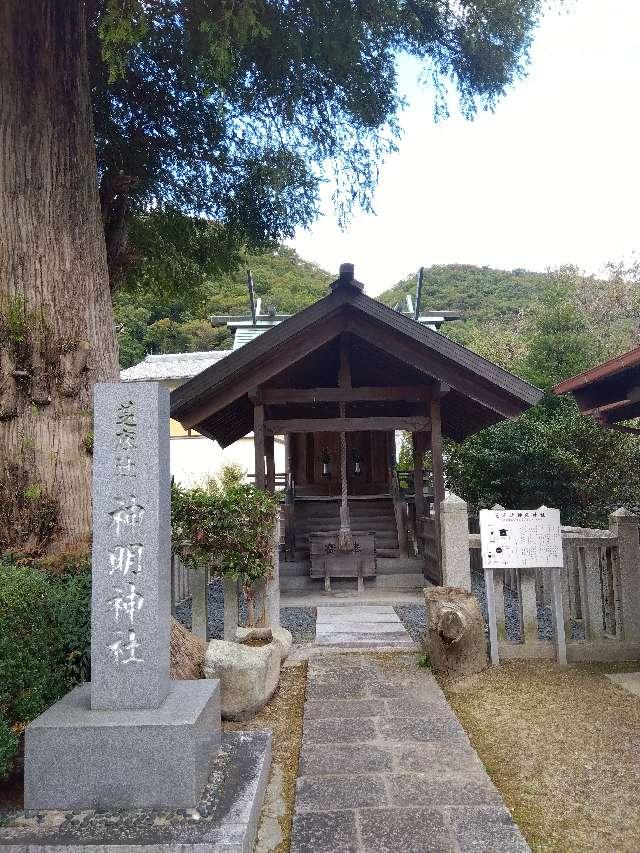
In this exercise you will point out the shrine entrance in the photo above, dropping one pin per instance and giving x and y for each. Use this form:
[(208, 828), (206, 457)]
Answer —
[(339, 381)]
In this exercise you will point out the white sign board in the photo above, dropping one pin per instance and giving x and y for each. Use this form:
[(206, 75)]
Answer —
[(521, 538)]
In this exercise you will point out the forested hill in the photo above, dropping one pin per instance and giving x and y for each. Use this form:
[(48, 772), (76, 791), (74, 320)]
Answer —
[(175, 318), (480, 293), (496, 305)]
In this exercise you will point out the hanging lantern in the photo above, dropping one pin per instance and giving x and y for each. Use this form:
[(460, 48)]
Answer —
[(357, 468), (325, 458)]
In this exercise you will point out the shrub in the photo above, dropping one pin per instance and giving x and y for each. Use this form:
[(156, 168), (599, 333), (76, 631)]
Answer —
[(226, 525), (44, 643)]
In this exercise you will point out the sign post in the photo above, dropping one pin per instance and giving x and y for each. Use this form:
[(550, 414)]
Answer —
[(523, 539)]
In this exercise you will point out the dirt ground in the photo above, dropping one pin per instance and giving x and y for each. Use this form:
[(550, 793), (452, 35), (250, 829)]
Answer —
[(563, 747), (283, 716)]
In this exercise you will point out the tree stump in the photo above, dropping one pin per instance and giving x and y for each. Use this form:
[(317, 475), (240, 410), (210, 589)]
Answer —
[(455, 640)]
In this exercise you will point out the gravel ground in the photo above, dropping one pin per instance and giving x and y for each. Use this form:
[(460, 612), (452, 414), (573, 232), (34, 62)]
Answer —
[(413, 616), (301, 621)]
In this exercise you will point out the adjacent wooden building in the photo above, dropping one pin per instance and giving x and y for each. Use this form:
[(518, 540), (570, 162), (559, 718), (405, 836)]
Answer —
[(609, 392), (338, 380)]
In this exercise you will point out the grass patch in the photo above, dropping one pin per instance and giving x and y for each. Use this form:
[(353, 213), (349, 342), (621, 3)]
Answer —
[(562, 746)]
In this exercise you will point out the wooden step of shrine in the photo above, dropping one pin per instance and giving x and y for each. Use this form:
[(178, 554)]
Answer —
[(376, 515)]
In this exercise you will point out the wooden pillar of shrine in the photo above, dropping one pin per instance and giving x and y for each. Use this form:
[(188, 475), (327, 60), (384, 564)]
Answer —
[(437, 467), (259, 443), (418, 445), (269, 449)]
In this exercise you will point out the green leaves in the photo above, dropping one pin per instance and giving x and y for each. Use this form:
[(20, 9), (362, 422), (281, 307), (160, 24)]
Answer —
[(44, 643), (553, 455), (122, 25), (240, 109), (226, 525)]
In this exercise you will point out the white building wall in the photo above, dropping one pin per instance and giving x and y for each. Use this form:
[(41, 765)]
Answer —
[(194, 459)]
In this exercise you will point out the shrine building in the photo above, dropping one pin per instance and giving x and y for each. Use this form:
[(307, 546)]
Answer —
[(338, 380)]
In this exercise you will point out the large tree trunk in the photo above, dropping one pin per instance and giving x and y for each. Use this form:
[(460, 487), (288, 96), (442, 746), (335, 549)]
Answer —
[(57, 334)]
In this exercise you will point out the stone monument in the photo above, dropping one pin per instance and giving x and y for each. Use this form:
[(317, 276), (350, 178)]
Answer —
[(132, 738)]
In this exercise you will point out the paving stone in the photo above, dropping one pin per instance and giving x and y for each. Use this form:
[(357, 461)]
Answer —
[(329, 759), (442, 756), (428, 729), (324, 628), (442, 790), (366, 640), (341, 709), (407, 830), (336, 610), (332, 832), (416, 786), (330, 684), (429, 706), (356, 615), (339, 731), (324, 793), (480, 829)]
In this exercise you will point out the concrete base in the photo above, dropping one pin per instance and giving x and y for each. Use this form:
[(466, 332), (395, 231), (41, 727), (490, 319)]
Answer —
[(225, 821), (78, 758)]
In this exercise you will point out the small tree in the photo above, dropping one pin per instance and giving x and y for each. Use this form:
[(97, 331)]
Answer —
[(227, 526)]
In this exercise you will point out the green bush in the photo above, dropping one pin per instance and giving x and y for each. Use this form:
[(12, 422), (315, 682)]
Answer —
[(44, 644), (226, 525)]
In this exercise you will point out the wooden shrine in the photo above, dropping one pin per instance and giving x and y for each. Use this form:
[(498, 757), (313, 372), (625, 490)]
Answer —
[(339, 380)]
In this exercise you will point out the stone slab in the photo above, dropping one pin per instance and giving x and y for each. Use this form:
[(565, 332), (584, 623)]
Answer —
[(355, 609), (432, 728), (440, 756), (315, 709), (331, 832), (477, 830), (225, 820), (629, 681), (331, 793), (339, 731), (408, 830), (336, 759), (415, 785), (131, 578), (356, 628), (80, 758), (371, 640), (353, 615), (443, 790)]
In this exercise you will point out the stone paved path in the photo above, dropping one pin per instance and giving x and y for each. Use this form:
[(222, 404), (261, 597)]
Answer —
[(369, 626), (386, 767)]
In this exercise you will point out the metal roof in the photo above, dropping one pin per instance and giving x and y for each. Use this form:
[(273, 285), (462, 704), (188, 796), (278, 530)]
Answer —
[(244, 334), (183, 365)]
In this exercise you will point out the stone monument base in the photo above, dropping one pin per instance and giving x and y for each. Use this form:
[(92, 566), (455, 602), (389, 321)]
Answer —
[(78, 758), (225, 819)]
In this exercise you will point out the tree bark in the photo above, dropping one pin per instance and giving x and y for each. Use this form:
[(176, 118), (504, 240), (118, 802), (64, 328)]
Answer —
[(56, 322)]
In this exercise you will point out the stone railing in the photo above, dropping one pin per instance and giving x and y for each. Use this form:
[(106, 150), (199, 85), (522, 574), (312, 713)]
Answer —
[(180, 582), (600, 584)]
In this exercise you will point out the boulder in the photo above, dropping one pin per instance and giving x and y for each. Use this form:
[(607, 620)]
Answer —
[(278, 635), (248, 675)]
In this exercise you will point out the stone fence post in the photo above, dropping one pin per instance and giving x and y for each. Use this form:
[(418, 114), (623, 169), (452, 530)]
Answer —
[(454, 540), (625, 525)]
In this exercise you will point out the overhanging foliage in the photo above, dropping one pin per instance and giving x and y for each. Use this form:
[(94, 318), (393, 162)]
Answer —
[(225, 525)]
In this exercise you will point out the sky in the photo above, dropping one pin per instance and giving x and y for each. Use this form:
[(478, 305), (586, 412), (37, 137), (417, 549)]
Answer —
[(551, 177)]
